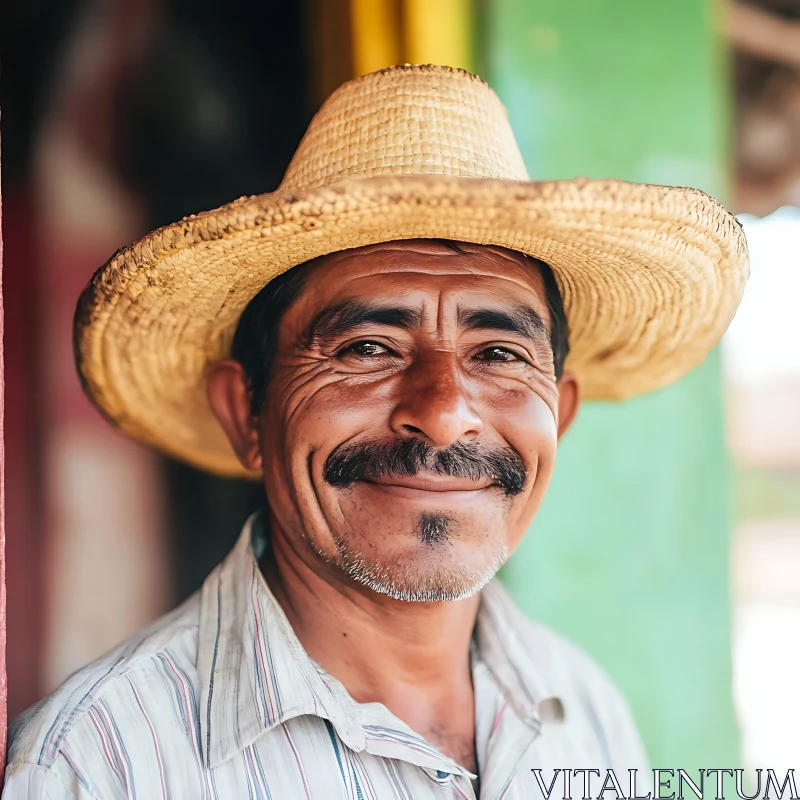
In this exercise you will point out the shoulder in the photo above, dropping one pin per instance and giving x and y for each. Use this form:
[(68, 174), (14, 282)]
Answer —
[(590, 699), (87, 712)]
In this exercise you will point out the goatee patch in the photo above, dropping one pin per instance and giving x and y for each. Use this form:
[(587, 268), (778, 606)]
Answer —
[(433, 528)]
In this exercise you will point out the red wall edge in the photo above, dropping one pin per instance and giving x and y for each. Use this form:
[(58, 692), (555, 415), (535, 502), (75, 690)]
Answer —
[(3, 679)]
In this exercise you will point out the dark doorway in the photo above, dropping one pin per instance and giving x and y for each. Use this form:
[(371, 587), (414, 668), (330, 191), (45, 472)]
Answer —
[(215, 113)]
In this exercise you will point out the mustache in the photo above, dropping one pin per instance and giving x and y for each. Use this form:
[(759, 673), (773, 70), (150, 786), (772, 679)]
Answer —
[(406, 457)]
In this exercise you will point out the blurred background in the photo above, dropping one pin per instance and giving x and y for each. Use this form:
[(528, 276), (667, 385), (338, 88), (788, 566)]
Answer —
[(669, 543)]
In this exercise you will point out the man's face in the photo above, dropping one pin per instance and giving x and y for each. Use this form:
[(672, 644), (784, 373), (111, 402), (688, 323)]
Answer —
[(412, 415)]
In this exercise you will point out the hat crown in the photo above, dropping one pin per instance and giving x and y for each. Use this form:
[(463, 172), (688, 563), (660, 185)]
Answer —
[(412, 119)]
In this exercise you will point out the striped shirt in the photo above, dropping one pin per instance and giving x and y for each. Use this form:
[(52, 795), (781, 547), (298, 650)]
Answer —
[(219, 700)]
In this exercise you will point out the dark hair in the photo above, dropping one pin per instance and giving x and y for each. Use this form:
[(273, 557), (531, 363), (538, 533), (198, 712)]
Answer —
[(256, 337)]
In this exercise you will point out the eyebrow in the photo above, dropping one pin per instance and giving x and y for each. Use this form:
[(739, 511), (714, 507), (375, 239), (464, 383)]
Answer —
[(520, 319), (350, 314)]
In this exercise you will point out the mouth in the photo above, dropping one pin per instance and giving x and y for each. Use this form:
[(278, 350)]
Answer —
[(429, 486)]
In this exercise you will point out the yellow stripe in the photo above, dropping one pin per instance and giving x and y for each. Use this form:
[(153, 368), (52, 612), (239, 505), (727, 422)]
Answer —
[(439, 32), (376, 35)]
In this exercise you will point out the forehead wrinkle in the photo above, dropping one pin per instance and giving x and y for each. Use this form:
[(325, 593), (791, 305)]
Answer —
[(531, 287), (440, 315), (403, 255)]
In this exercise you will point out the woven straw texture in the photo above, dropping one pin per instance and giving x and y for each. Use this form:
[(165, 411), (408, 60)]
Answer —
[(651, 276)]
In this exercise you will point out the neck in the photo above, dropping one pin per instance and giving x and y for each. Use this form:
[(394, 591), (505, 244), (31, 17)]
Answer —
[(411, 657)]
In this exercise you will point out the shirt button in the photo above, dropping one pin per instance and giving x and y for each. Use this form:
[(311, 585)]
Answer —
[(551, 709)]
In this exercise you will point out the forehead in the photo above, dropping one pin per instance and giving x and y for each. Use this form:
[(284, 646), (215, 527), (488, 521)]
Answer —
[(425, 265)]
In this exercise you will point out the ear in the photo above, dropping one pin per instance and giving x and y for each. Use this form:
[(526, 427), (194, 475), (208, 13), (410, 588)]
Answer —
[(569, 400), (229, 399)]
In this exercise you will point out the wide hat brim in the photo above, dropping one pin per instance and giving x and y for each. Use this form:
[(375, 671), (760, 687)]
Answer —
[(651, 276)]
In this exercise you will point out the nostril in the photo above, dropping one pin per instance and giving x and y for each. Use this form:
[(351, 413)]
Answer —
[(412, 429)]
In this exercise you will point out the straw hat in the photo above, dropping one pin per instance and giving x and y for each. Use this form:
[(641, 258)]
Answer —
[(651, 276)]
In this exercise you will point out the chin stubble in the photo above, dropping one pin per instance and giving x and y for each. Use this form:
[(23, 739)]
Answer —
[(401, 582), (408, 585)]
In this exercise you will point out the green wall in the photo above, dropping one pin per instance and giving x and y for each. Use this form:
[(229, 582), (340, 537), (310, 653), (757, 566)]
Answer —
[(629, 555)]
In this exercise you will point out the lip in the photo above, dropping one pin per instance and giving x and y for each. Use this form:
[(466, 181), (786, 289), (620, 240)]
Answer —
[(437, 497), (430, 485)]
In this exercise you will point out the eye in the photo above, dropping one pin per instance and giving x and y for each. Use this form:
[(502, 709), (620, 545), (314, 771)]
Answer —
[(497, 354), (365, 349)]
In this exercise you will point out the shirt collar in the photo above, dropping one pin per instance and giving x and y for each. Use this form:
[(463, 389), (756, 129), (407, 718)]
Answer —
[(499, 645), (254, 674)]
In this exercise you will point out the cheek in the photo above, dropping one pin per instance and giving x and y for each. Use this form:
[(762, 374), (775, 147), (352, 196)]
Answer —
[(535, 433), (304, 421), (526, 422), (333, 414), (312, 407), (526, 419)]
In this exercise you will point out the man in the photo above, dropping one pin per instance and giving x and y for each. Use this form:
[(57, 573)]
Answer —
[(383, 342)]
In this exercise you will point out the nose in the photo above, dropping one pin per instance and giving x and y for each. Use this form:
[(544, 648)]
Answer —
[(434, 403)]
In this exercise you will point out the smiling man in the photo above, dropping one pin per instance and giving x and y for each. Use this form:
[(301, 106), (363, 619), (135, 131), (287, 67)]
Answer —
[(392, 343)]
